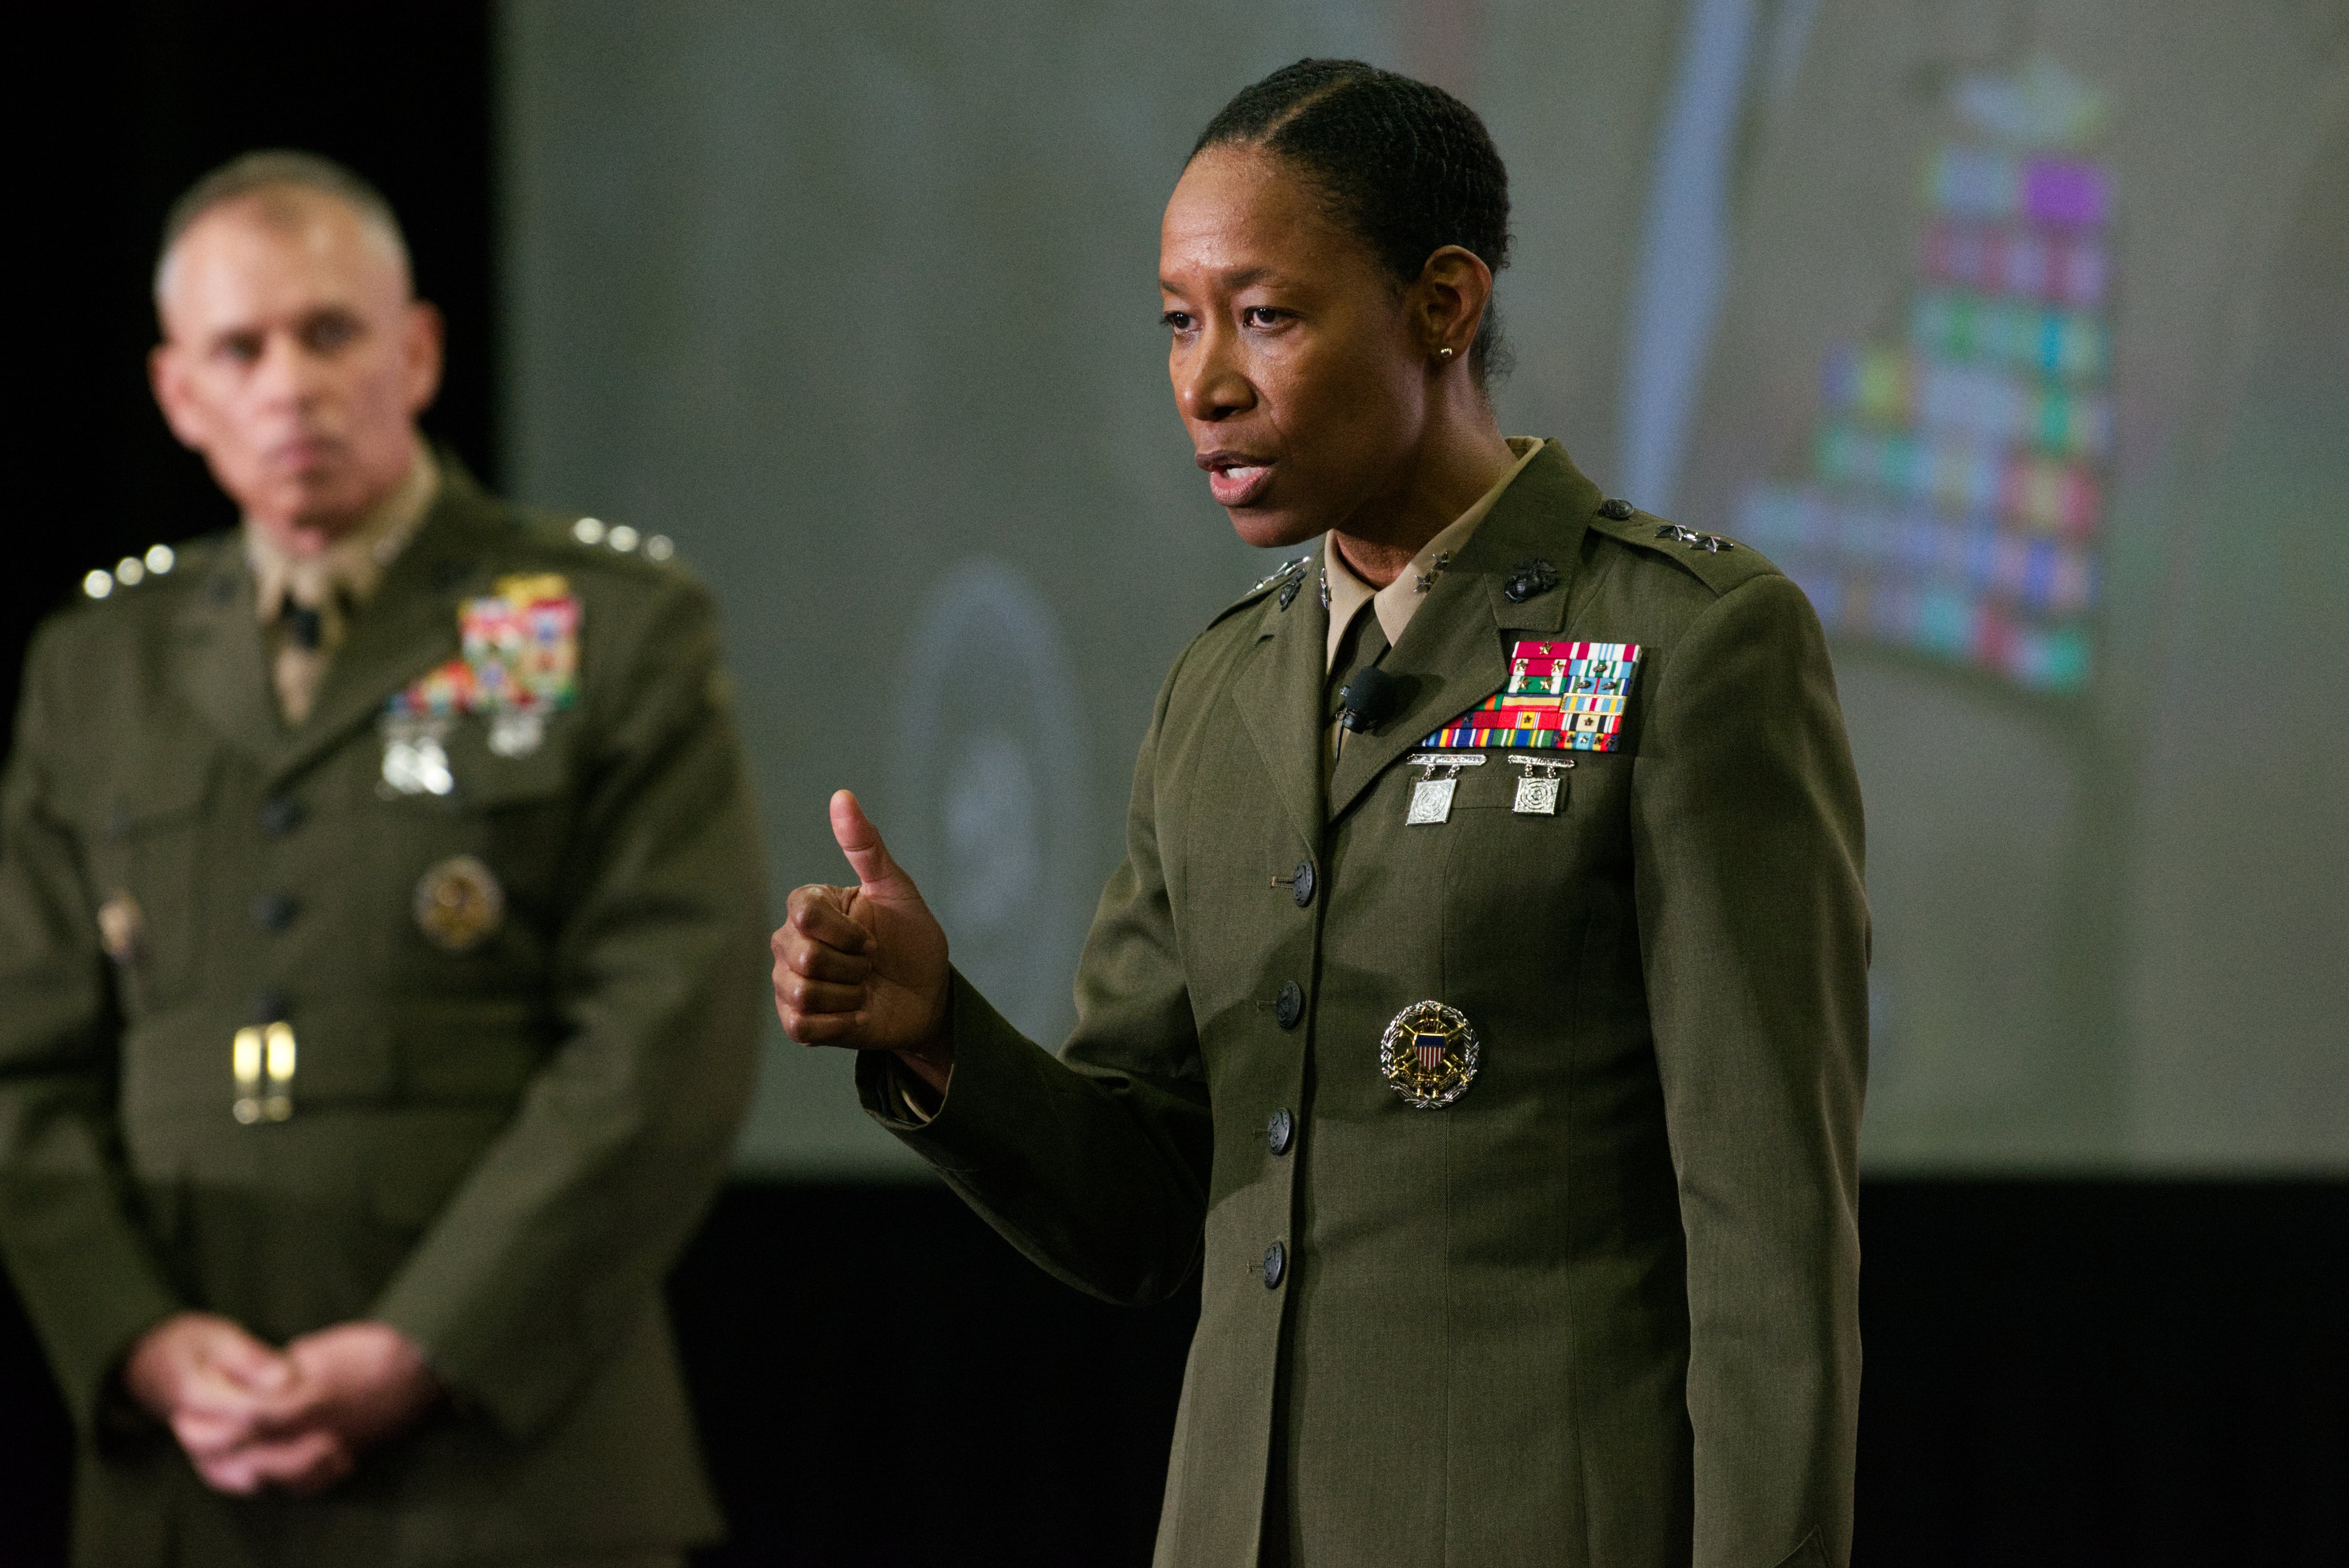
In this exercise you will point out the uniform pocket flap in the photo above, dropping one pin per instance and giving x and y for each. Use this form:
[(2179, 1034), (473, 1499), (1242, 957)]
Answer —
[(521, 775), (151, 792)]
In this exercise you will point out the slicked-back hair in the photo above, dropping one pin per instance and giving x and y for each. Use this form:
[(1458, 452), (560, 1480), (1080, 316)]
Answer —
[(278, 169), (1405, 166)]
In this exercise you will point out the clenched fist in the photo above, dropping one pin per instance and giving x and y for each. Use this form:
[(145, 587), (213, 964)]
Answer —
[(865, 966)]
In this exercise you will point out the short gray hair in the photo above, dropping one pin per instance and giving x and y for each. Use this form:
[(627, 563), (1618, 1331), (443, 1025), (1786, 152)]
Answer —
[(279, 169)]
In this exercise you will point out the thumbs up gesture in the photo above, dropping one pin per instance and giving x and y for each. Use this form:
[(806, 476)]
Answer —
[(865, 966)]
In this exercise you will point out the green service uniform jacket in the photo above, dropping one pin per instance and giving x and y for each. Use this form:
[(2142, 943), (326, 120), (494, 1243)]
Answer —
[(498, 1150), (1601, 1310)]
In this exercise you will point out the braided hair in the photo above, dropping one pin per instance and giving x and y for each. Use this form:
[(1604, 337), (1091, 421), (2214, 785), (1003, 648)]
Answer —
[(1404, 166)]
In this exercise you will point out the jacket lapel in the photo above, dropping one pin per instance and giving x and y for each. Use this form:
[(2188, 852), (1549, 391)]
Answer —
[(218, 662), (407, 628), (1451, 656), (1279, 695)]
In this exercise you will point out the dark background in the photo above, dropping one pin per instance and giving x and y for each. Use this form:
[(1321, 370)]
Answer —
[(2060, 1372)]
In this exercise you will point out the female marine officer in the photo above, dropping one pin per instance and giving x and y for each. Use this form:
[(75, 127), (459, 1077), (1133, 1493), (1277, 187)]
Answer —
[(1496, 1055)]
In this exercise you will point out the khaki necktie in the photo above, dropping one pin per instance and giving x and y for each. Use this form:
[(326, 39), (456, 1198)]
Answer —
[(309, 629)]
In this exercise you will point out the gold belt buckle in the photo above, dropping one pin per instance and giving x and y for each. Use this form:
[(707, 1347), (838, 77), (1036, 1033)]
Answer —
[(263, 1054)]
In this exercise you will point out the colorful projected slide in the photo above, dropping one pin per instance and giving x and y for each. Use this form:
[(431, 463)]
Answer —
[(1959, 471)]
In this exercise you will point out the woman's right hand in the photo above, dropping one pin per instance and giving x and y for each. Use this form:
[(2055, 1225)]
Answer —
[(865, 966)]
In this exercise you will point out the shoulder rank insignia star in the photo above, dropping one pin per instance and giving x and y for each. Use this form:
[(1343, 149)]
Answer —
[(129, 572), (1712, 543)]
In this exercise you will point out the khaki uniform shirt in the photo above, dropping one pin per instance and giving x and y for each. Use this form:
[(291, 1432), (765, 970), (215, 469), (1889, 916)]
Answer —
[(332, 583)]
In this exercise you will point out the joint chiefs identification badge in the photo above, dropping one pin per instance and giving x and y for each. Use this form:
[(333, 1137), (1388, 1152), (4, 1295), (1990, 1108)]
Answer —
[(459, 904), (1428, 1055)]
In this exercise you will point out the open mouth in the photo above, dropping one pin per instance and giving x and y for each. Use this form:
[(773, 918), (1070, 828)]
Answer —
[(1235, 480)]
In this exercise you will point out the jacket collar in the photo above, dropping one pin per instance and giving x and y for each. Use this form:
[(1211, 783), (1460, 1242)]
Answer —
[(1453, 655), (1279, 695), (409, 626)]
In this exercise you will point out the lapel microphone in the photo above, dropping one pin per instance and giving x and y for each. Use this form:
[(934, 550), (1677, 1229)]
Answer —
[(1368, 700)]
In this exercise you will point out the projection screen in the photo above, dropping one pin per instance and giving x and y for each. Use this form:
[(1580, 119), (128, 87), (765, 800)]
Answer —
[(2015, 333)]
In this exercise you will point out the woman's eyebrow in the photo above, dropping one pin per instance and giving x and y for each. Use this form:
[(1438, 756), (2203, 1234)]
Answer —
[(1239, 278)]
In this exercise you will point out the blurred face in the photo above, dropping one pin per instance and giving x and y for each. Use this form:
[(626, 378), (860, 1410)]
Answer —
[(295, 359), (1299, 367)]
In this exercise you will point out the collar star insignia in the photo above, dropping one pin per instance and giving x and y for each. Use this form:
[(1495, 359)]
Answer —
[(1285, 569)]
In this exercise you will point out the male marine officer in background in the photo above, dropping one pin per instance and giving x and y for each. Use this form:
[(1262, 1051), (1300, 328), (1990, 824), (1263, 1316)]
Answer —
[(380, 928)]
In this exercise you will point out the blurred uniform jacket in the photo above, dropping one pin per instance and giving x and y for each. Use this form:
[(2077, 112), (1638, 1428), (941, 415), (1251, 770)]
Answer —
[(1602, 1309), (498, 1150)]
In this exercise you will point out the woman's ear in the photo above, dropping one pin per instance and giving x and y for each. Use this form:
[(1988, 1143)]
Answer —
[(1449, 300)]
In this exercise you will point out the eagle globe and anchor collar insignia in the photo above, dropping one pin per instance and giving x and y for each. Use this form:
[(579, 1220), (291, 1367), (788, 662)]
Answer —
[(1429, 1054), (520, 665)]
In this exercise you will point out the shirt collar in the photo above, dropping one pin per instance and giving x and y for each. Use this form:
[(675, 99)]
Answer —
[(1399, 600), (352, 565)]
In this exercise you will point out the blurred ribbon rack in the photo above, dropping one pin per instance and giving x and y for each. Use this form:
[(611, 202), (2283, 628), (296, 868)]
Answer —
[(1959, 472)]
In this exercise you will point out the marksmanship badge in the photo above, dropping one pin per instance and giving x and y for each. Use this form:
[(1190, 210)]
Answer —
[(459, 904), (1428, 1055), (1431, 797), (1544, 781)]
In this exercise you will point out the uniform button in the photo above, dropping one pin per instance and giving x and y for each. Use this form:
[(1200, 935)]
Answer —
[(1279, 1131), (1290, 1007), (1276, 1263), (1300, 886), (1618, 511), (275, 911), (280, 816)]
